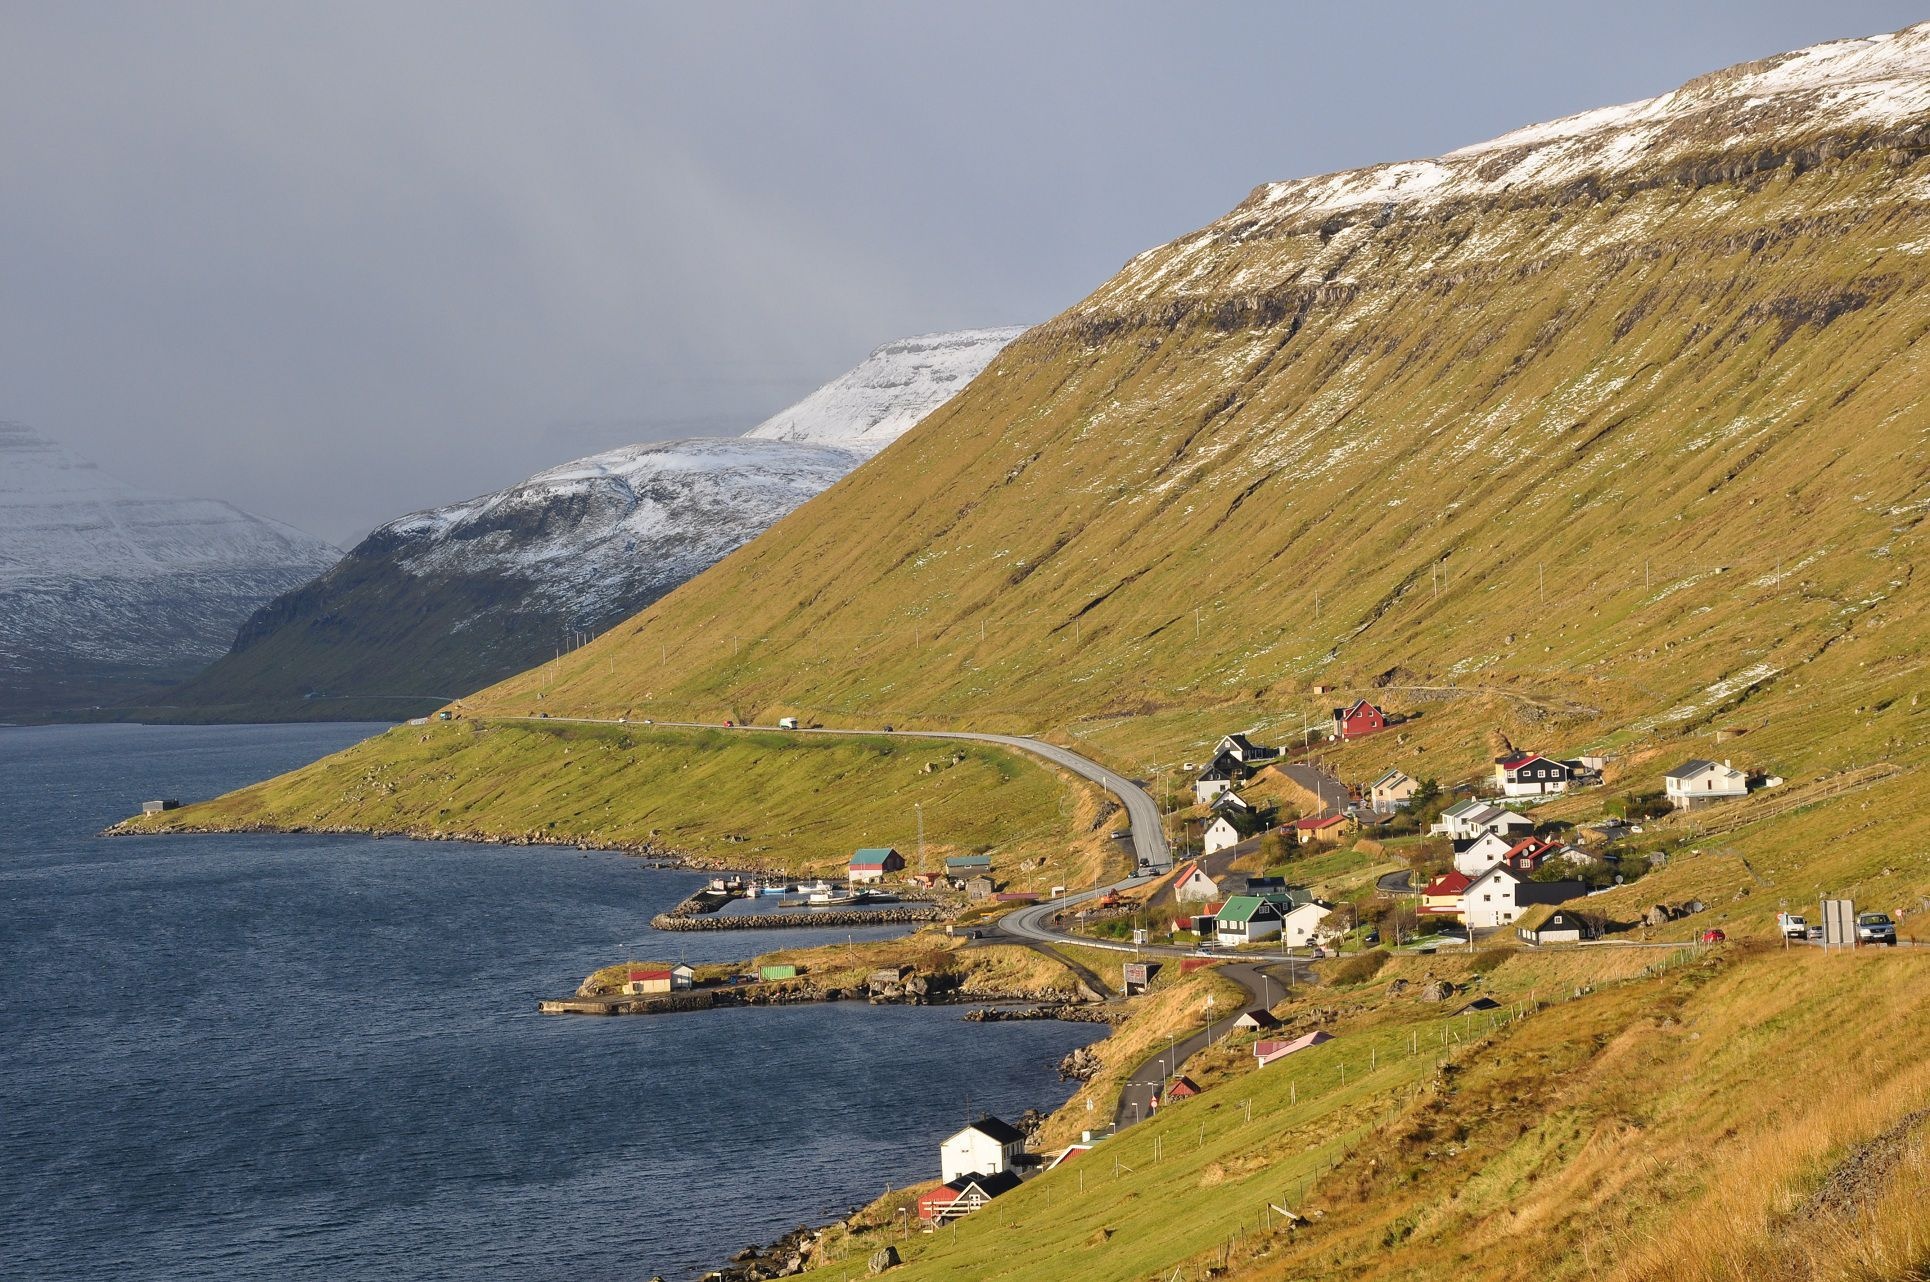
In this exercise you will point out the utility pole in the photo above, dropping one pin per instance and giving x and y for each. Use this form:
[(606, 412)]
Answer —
[(919, 806)]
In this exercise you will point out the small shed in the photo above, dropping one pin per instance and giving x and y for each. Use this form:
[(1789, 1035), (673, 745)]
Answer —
[(653, 980), (1182, 1088), (682, 976), (771, 974), (156, 807), (1256, 1021), (980, 887), (966, 865)]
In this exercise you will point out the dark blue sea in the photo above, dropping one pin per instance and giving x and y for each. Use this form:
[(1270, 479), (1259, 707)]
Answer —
[(255, 1057)]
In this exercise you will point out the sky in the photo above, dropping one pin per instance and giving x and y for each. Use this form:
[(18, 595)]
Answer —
[(334, 263)]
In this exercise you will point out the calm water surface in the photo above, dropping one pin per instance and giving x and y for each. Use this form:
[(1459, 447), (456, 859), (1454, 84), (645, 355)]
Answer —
[(297, 1057)]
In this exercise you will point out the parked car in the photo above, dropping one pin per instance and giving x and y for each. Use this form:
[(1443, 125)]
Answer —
[(1714, 936), (1875, 928)]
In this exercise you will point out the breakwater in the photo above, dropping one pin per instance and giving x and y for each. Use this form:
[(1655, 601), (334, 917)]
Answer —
[(821, 918)]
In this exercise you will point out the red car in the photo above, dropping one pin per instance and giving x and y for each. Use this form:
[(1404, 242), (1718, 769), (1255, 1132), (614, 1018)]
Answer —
[(1713, 936)]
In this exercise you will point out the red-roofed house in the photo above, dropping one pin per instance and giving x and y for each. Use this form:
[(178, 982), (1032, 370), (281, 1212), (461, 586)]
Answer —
[(1529, 853), (1359, 721), (648, 981), (1182, 1088), (1530, 775), (1442, 896), (1320, 829)]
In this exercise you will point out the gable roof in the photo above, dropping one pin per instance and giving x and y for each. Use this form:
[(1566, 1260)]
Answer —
[(1318, 822), (1257, 1019), (1238, 741), (1696, 765), (968, 861), (999, 1132), (1243, 822), (1342, 714), (1448, 883), (1517, 762), (873, 856), (1246, 908), (1393, 779), (989, 1185), (649, 974)]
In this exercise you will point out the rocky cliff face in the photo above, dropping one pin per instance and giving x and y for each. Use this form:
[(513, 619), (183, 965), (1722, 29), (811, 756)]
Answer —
[(439, 603), (1617, 421), (108, 591)]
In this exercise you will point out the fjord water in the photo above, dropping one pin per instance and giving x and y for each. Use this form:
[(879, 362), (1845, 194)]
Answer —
[(304, 1056)]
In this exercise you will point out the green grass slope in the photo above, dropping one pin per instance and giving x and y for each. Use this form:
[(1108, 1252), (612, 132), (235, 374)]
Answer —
[(758, 800)]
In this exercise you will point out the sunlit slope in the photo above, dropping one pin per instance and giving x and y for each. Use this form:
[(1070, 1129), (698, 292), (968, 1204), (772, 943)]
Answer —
[(1643, 450)]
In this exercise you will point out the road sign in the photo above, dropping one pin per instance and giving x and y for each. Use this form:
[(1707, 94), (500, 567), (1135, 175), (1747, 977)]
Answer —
[(1839, 923)]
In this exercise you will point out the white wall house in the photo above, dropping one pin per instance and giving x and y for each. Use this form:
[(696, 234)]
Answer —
[(1471, 818), (1393, 790), (1246, 919), (1697, 783), (1500, 895), (1220, 834), (1195, 885), (1210, 785), (1483, 853), (986, 1147), (1301, 926)]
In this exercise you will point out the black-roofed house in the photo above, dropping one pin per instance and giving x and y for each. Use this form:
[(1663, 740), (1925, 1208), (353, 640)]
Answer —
[(1697, 783), (986, 1147)]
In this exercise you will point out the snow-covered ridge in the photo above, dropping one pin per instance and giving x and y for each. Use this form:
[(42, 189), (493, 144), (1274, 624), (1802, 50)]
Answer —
[(1879, 81), (62, 518), (595, 532), (889, 392)]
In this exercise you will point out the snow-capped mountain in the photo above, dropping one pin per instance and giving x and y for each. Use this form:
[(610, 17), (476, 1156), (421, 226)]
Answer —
[(889, 391), (106, 588), (594, 535), (444, 601)]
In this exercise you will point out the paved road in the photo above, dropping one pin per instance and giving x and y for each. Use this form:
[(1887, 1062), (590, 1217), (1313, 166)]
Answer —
[(1398, 882), (1264, 984), (1149, 836)]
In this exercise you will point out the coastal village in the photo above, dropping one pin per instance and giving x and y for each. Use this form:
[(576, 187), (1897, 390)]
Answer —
[(1282, 863)]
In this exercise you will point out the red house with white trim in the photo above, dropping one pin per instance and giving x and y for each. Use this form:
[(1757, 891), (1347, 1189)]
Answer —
[(1359, 721)]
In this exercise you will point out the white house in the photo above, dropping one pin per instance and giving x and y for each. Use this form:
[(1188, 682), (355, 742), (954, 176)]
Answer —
[(682, 976), (1393, 790), (1229, 802), (1697, 783), (986, 1147), (1530, 775), (1301, 926), (1500, 895), (1230, 829), (1468, 819), (1244, 750), (1194, 885), (1481, 854), (1216, 780)]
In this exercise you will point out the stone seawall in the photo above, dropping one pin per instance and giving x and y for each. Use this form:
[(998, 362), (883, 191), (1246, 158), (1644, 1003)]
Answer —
[(779, 921)]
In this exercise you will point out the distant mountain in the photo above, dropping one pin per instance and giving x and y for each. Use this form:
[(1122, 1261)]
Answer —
[(441, 602), (889, 392), (109, 592)]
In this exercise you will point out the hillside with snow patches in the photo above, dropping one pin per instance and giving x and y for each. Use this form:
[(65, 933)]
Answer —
[(443, 601), (889, 392), (106, 588)]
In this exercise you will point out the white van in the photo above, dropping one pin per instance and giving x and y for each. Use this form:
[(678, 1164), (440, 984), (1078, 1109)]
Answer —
[(787, 723), (1793, 925)]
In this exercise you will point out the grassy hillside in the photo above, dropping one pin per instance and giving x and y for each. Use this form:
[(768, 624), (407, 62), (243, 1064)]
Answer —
[(1615, 468), (1634, 1126), (761, 800)]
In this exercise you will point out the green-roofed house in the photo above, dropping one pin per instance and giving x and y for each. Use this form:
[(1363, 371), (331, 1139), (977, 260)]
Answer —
[(771, 974), (1246, 919), (967, 865), (872, 863)]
